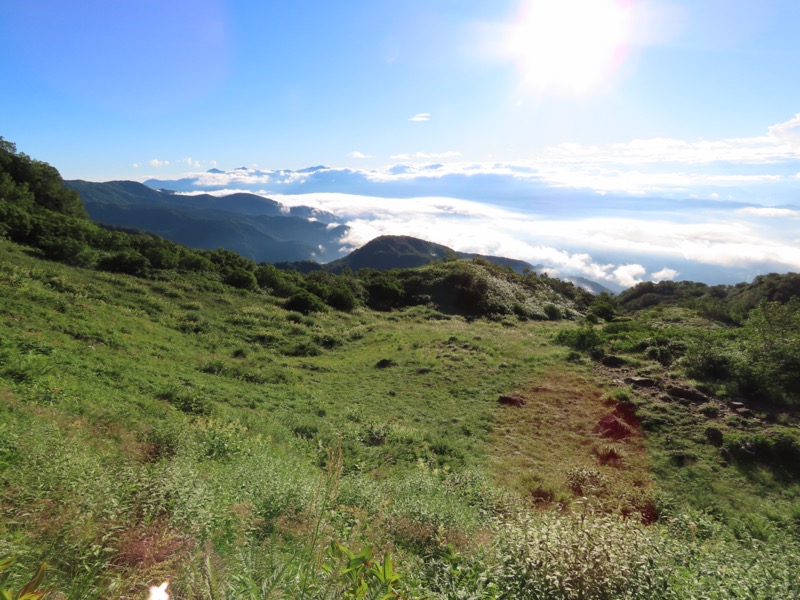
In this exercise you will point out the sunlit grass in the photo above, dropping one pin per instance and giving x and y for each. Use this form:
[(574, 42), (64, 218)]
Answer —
[(182, 431)]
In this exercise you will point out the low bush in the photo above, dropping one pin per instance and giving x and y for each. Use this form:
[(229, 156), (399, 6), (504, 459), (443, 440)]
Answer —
[(304, 302)]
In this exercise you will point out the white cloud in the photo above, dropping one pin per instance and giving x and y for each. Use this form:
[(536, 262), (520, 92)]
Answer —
[(782, 142), (788, 131), (136, 165), (158, 163), (195, 164), (427, 155), (765, 211), (628, 275), (539, 239), (574, 204), (664, 274), (544, 229), (761, 168)]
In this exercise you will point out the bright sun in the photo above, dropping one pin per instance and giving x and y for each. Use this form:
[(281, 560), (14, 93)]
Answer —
[(569, 46)]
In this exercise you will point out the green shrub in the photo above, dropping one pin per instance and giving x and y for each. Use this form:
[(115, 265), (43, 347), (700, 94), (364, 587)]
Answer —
[(186, 400), (342, 298), (553, 312), (241, 278), (584, 339), (304, 302), (127, 261), (220, 439)]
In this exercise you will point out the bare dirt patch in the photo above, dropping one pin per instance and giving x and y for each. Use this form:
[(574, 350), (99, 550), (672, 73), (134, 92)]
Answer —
[(563, 428)]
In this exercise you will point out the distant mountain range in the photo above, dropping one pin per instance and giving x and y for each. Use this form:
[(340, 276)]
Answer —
[(256, 227), (267, 231)]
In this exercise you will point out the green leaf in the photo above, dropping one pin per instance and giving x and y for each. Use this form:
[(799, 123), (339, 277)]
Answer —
[(6, 562), (29, 588)]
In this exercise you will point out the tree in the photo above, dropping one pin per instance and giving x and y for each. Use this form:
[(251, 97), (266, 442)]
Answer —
[(41, 179)]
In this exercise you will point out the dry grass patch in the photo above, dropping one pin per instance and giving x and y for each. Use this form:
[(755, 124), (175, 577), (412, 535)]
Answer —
[(552, 451)]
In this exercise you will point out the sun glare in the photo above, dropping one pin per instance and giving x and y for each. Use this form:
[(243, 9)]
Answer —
[(569, 46)]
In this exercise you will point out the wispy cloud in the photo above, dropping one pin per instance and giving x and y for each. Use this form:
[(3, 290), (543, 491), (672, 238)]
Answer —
[(158, 163), (764, 211), (759, 169), (195, 164), (715, 210), (421, 117), (771, 148), (788, 131), (427, 155)]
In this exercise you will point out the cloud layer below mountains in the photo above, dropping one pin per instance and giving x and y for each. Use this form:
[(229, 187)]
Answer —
[(626, 241), (716, 211)]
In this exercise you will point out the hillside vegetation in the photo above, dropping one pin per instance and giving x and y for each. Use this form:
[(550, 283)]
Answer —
[(252, 226), (453, 431)]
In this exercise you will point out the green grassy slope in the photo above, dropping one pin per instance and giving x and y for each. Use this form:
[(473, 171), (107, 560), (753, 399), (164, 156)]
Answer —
[(184, 429)]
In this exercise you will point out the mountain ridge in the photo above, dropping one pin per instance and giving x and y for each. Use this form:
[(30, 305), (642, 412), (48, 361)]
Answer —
[(258, 228), (401, 252)]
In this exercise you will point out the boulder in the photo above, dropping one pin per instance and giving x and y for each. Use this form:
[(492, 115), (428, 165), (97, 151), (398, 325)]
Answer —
[(686, 393), (644, 382), (511, 400), (714, 436), (613, 362)]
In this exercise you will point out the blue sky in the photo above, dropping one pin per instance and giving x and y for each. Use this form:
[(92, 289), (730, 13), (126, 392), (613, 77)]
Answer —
[(582, 101)]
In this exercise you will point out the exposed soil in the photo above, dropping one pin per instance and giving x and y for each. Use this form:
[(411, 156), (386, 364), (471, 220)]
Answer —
[(563, 423)]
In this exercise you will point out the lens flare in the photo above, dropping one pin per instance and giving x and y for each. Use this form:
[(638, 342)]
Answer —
[(159, 592), (569, 46)]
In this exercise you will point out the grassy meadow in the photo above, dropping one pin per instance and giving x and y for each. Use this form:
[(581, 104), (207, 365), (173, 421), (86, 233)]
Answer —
[(175, 427)]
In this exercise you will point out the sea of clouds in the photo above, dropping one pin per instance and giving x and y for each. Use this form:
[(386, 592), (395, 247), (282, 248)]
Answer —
[(659, 209)]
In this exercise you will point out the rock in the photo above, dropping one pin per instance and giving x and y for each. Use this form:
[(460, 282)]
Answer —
[(511, 400), (641, 381), (613, 362), (690, 394), (743, 412), (714, 436)]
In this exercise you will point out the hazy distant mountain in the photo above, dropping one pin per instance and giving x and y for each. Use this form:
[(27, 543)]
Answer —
[(243, 203), (256, 227), (583, 283)]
